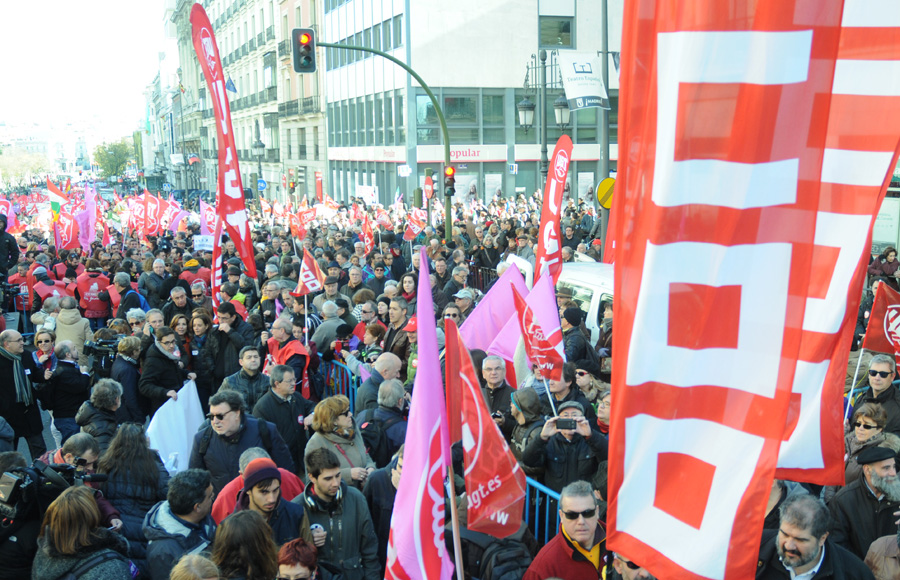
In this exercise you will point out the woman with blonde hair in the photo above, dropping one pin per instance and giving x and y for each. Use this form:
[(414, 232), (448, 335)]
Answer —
[(194, 567), (73, 540), (336, 430)]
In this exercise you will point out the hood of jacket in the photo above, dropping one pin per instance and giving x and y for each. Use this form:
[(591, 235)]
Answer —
[(529, 403), (89, 413), (52, 564), (69, 316), (160, 523)]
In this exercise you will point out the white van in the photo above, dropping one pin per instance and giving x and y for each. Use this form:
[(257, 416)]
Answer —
[(591, 283)]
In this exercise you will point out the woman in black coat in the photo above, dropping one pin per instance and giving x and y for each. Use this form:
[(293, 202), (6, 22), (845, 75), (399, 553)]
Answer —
[(125, 371), (163, 373), (136, 481), (97, 417), (487, 256)]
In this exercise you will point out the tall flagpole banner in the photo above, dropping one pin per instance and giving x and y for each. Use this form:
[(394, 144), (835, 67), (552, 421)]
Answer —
[(416, 549), (724, 117), (230, 203), (861, 152), (549, 250)]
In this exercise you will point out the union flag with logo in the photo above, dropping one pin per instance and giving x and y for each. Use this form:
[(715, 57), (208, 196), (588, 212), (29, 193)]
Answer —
[(745, 198), (311, 279), (883, 329)]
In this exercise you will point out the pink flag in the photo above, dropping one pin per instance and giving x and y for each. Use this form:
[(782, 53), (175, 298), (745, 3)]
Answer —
[(541, 300), (208, 218), (87, 219), (416, 549), (493, 312)]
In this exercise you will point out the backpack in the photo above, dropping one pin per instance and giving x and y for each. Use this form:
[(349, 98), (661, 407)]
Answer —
[(374, 436), (264, 434), (94, 560), (145, 306), (489, 558)]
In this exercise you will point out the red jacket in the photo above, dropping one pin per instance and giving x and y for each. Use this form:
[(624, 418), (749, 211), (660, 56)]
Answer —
[(23, 300), (89, 285), (561, 560), (291, 487)]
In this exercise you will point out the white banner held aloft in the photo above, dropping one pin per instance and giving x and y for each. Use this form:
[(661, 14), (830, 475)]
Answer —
[(582, 81), (172, 429), (203, 243)]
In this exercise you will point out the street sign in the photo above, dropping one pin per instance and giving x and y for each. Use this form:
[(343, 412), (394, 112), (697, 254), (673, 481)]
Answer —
[(605, 192), (513, 168), (261, 184), (462, 166), (404, 170), (429, 187), (167, 187)]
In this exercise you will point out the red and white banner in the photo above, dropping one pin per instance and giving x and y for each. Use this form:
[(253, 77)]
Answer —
[(414, 227), (861, 144), (306, 217), (311, 279), (719, 227), (366, 235), (66, 230), (494, 479), (542, 349), (216, 280), (208, 218), (883, 329), (150, 205), (549, 250), (296, 231), (383, 217), (230, 201)]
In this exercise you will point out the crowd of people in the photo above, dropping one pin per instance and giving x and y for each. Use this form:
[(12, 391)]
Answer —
[(284, 480)]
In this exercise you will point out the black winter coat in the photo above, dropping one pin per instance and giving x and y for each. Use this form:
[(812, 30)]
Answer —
[(284, 415), (9, 253), (566, 461), (171, 537), (498, 401), (135, 406), (858, 519), (380, 494), (225, 347), (577, 347), (24, 419), (160, 375), (70, 389), (839, 564), (889, 399), (252, 388), (134, 501), (100, 423)]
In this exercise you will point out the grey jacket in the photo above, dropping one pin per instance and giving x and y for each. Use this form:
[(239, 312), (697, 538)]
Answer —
[(170, 538)]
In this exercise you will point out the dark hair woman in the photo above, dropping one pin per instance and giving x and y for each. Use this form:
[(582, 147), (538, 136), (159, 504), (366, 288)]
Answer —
[(244, 548), (136, 481)]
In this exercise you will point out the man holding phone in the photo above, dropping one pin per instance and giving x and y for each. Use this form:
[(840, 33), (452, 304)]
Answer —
[(568, 449)]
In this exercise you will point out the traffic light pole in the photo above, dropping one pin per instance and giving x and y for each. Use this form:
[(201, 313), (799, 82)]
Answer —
[(448, 223)]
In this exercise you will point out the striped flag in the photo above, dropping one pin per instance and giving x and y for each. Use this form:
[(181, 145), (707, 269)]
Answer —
[(57, 199)]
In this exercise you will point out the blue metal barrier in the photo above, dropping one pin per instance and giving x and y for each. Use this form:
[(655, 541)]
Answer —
[(541, 512), (339, 380)]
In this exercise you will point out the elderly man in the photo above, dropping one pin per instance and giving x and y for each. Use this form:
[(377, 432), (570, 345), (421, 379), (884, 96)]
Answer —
[(267, 306), (390, 418), (387, 366), (71, 387), (497, 392), (121, 295), (801, 548), (576, 552), (354, 282), (379, 278), (456, 283), (882, 372), (330, 294), (367, 315), (287, 409), (178, 303), (327, 331), (282, 348), (464, 300), (863, 511), (18, 401)]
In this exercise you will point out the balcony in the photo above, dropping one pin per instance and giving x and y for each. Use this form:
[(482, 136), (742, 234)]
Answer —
[(208, 114), (245, 49), (271, 94), (309, 105), (290, 109), (272, 156), (253, 100), (301, 151), (261, 38), (284, 49), (270, 33), (252, 44)]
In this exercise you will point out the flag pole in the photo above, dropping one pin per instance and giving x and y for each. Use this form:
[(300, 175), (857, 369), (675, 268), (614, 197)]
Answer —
[(862, 352), (306, 318), (454, 520), (549, 394)]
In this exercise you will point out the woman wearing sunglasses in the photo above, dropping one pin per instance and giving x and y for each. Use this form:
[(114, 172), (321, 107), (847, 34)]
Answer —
[(336, 430)]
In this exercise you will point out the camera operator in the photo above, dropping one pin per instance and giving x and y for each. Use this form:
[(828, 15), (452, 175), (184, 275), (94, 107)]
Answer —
[(18, 536), (9, 249), (82, 452)]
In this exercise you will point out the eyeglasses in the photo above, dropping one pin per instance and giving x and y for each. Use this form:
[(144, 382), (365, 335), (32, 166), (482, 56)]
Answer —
[(581, 373), (197, 295), (630, 565), (882, 374), (346, 413), (218, 416), (367, 311), (44, 341), (586, 514), (135, 323), (451, 316), (858, 424), (167, 342)]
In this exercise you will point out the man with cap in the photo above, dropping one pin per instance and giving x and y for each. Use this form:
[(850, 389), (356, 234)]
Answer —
[(44, 288), (262, 494), (456, 282), (465, 301), (863, 511), (564, 294), (9, 249), (575, 344), (330, 292), (566, 455), (380, 276)]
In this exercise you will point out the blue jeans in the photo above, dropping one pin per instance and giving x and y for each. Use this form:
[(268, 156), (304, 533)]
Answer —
[(67, 427), (97, 323)]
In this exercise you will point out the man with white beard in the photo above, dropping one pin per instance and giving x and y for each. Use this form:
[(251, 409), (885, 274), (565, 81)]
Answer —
[(863, 511)]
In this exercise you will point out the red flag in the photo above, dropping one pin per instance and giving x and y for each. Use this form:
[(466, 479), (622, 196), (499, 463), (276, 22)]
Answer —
[(296, 230), (66, 232), (265, 205), (413, 228), (311, 279), (318, 187), (383, 217), (306, 216), (230, 205), (549, 250), (883, 329), (366, 234), (494, 479), (106, 239), (150, 214), (216, 280), (541, 350)]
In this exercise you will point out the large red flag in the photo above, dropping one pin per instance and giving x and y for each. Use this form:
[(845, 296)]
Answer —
[(230, 204), (549, 250), (883, 329), (494, 480), (150, 214), (719, 185), (66, 232), (366, 234), (311, 279), (541, 349)]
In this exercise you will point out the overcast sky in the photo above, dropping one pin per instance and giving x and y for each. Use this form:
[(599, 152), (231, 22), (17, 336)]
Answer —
[(65, 61)]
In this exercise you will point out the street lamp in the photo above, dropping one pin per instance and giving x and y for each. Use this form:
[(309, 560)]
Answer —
[(526, 108), (561, 111), (526, 113)]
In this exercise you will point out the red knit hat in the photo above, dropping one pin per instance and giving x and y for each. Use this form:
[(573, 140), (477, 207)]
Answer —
[(258, 470)]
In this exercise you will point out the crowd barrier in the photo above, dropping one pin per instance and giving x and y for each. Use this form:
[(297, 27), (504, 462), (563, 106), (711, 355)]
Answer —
[(481, 278), (340, 381), (541, 512)]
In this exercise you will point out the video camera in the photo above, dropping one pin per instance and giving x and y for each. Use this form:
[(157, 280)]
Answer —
[(7, 293), (24, 488), (104, 353)]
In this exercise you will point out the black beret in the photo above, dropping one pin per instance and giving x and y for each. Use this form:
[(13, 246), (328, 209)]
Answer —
[(874, 455)]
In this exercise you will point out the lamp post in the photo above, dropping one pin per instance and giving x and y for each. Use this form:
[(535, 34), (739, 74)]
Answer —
[(258, 148), (526, 107)]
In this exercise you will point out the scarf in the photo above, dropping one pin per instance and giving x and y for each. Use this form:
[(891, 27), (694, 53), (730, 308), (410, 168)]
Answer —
[(409, 296), (175, 356), (23, 383)]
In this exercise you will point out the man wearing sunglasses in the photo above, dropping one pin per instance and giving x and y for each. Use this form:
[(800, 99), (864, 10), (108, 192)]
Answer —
[(577, 551), (882, 372)]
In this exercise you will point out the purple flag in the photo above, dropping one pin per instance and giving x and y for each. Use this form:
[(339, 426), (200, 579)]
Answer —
[(87, 219), (494, 311)]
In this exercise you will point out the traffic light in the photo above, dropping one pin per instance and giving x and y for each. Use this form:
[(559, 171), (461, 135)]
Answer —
[(449, 180), (304, 50)]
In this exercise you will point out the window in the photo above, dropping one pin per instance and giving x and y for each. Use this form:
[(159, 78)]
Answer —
[(379, 120), (357, 41), (367, 42), (556, 31), (398, 30), (370, 124), (425, 112), (289, 150), (460, 110), (376, 36), (386, 37)]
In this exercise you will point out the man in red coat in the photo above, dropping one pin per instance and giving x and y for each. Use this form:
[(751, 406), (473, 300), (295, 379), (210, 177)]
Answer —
[(577, 551)]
